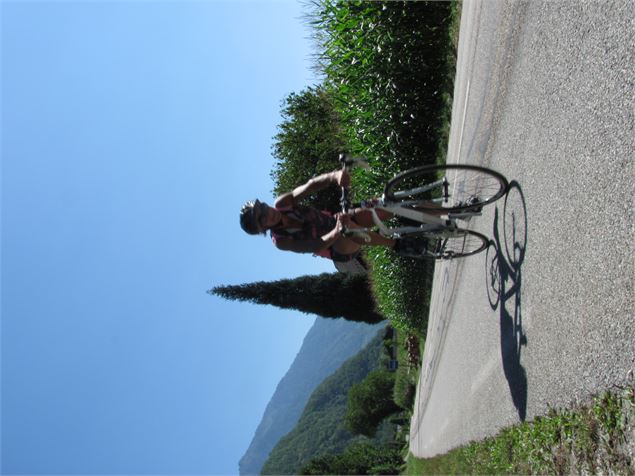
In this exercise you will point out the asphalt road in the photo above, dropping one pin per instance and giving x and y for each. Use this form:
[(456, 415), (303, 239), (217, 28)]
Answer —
[(545, 94)]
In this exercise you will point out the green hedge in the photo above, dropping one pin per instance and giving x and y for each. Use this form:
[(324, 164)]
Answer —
[(390, 69)]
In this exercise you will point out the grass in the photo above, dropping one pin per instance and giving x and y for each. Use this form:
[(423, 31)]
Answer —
[(586, 439)]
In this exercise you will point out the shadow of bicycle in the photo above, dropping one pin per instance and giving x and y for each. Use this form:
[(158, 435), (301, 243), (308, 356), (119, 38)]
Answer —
[(503, 265)]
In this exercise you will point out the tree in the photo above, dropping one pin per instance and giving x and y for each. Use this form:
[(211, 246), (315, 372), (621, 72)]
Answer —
[(328, 295), (308, 143), (370, 401), (358, 458)]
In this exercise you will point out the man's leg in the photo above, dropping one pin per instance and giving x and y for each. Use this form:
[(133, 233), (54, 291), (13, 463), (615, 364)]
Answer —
[(375, 238)]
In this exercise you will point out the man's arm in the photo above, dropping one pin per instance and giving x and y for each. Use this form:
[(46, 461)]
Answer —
[(337, 177), (303, 246)]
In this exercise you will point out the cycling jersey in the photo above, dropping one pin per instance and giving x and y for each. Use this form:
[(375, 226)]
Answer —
[(313, 223)]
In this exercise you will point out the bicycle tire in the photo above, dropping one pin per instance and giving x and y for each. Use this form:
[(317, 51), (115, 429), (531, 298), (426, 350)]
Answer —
[(449, 247), (466, 182)]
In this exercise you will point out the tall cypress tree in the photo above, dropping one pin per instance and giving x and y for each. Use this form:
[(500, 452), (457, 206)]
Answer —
[(330, 295)]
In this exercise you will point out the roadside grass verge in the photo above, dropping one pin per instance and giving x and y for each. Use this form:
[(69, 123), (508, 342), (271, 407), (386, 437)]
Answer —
[(390, 68), (591, 439)]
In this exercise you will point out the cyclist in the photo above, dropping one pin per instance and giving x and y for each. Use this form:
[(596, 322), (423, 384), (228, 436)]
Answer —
[(305, 229)]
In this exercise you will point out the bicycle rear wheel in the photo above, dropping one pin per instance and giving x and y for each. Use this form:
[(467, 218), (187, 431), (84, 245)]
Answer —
[(451, 187), (457, 244)]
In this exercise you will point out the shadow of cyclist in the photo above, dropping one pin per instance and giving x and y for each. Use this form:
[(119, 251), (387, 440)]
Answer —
[(504, 282)]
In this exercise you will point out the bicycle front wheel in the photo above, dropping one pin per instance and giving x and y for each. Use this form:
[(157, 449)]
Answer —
[(451, 187), (459, 244)]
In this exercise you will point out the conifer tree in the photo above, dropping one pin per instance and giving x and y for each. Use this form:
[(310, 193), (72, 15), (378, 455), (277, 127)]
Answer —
[(329, 295)]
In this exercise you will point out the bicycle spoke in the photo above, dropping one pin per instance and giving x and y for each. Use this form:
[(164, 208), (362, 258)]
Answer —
[(451, 187), (466, 184), (461, 243)]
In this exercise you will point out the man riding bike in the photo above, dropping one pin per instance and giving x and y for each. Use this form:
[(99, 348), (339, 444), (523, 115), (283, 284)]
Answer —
[(305, 229)]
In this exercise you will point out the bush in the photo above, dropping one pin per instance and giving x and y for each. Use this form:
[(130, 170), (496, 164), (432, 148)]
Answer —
[(308, 143), (389, 68), (358, 458), (405, 392), (369, 402)]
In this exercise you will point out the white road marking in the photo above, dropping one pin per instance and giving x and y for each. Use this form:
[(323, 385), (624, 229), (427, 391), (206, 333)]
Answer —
[(467, 98), (459, 148), (493, 364)]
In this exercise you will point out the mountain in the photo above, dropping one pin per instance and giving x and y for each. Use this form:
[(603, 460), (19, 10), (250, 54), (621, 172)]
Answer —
[(321, 429), (327, 345)]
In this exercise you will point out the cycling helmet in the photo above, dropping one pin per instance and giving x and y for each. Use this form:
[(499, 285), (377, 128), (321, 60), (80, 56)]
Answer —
[(248, 217)]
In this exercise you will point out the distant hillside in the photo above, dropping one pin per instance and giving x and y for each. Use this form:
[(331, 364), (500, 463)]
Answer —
[(320, 429), (328, 344)]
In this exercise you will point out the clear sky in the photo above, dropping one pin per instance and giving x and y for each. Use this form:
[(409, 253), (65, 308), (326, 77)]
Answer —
[(131, 134)]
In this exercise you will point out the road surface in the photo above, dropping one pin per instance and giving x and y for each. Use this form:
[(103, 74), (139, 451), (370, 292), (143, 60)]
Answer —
[(545, 94)]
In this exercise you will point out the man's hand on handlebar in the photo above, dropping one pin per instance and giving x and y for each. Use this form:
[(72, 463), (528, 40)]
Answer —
[(346, 226), (343, 222)]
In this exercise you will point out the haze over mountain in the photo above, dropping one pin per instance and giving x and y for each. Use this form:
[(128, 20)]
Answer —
[(327, 345)]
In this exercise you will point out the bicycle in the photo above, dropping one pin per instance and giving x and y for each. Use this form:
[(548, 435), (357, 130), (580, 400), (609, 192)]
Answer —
[(452, 190)]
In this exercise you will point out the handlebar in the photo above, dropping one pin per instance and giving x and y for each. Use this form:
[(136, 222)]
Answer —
[(345, 202), (348, 162)]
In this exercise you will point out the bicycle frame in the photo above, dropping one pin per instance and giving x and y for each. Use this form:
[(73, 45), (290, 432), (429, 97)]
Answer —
[(436, 227), (443, 227), (428, 222)]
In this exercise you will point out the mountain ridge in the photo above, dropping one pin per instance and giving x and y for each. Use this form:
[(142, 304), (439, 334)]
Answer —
[(327, 345)]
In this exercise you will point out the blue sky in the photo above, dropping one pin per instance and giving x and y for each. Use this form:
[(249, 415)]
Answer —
[(131, 134)]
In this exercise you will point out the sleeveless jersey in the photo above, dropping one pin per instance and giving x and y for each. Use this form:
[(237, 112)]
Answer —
[(313, 224)]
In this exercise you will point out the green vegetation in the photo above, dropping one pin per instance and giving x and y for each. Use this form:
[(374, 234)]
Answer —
[(321, 430), (407, 374), (325, 442), (587, 439), (330, 295), (369, 402), (358, 458), (328, 344), (388, 73), (390, 68), (307, 144)]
